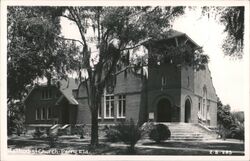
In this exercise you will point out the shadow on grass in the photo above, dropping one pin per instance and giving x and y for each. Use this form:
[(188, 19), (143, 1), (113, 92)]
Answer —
[(200, 145), (105, 148)]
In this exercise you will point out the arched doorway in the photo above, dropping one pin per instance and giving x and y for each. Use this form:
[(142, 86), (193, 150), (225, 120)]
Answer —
[(187, 110), (164, 111)]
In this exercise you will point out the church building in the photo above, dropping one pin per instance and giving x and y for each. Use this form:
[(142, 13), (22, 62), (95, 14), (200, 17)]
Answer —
[(170, 93), (166, 93)]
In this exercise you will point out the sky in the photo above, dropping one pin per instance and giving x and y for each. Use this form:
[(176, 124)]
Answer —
[(230, 77)]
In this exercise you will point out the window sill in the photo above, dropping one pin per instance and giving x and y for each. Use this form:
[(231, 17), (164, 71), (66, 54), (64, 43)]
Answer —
[(109, 118), (121, 117)]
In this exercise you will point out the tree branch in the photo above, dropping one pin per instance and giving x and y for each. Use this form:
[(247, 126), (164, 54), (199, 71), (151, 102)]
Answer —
[(71, 40), (71, 19), (131, 47)]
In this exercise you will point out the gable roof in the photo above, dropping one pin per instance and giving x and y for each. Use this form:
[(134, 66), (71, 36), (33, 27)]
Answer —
[(66, 87), (173, 34)]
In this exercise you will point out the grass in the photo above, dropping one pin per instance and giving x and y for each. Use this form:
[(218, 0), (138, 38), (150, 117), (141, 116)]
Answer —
[(146, 147), (201, 145)]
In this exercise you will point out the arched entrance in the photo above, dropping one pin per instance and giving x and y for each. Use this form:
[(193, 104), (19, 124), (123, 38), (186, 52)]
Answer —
[(164, 110), (187, 110)]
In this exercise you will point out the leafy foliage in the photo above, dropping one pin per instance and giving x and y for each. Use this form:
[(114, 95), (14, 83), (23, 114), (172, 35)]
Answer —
[(130, 134), (38, 133), (229, 124), (112, 134), (34, 48), (233, 20), (15, 118), (127, 132), (159, 133)]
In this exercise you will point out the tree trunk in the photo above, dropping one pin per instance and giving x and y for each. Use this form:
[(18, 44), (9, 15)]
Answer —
[(94, 125)]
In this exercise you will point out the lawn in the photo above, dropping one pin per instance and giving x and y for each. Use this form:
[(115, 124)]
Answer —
[(74, 145)]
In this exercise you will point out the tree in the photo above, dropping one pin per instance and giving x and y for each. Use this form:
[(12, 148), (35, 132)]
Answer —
[(34, 50), (116, 31), (233, 20), (230, 124)]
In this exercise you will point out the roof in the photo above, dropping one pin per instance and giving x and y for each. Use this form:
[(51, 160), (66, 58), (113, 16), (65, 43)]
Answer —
[(173, 34), (66, 87)]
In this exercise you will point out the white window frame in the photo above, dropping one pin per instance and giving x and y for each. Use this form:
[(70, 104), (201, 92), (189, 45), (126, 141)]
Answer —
[(110, 106), (121, 99)]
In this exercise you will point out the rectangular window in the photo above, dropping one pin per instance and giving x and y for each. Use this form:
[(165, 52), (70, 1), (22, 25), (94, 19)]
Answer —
[(43, 114), (109, 106), (121, 106), (38, 114), (46, 94), (49, 113)]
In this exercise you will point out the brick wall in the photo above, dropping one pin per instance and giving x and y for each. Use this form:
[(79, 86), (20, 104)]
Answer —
[(129, 85), (35, 101)]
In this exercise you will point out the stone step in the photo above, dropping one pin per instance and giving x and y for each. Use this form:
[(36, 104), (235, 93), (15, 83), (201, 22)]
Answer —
[(187, 132)]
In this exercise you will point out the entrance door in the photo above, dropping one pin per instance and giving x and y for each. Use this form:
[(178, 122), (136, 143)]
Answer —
[(164, 111), (187, 110)]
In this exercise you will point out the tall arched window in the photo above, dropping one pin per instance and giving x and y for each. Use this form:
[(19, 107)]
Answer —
[(204, 103)]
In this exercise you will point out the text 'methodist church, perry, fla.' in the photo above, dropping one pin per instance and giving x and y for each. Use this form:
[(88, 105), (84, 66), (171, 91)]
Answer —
[(172, 94)]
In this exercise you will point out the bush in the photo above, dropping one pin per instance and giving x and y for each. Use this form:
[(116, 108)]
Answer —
[(129, 133), (146, 128), (37, 133), (61, 132), (159, 133), (112, 134), (78, 130), (237, 132), (52, 138)]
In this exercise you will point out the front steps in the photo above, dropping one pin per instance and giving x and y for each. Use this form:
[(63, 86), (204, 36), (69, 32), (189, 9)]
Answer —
[(189, 132)]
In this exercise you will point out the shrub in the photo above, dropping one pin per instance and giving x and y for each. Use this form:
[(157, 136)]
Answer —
[(112, 134), (237, 132), (146, 128), (159, 133), (61, 132), (52, 138), (37, 133), (129, 133), (78, 130)]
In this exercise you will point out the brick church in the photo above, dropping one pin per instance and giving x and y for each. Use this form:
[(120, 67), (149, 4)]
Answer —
[(169, 93)]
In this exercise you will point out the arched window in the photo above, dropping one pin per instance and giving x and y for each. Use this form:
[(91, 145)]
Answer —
[(204, 103)]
